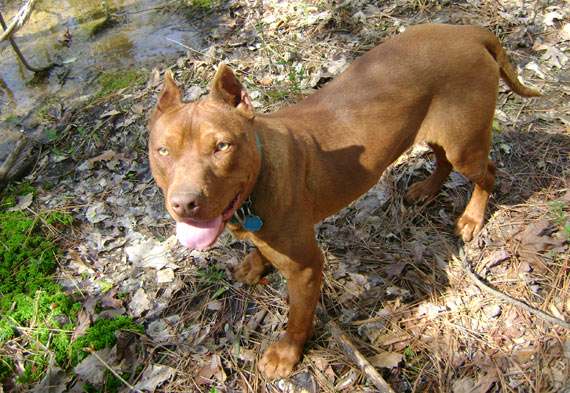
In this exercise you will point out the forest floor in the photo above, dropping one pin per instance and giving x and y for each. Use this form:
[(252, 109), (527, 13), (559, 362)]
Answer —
[(394, 281)]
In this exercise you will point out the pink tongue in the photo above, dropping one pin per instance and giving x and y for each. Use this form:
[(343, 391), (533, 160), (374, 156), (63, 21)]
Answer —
[(199, 236)]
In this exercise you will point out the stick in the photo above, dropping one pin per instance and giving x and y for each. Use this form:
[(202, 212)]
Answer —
[(354, 354), (19, 52), (19, 20), (12, 156), (506, 298)]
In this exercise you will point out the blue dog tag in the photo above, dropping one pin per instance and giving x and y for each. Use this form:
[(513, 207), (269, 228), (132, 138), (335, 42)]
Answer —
[(252, 223)]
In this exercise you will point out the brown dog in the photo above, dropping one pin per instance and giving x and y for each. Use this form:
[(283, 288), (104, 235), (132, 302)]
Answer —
[(434, 83)]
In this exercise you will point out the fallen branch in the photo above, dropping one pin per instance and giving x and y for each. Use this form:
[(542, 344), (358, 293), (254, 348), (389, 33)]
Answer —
[(508, 299), (12, 157), (19, 20), (19, 52), (354, 354)]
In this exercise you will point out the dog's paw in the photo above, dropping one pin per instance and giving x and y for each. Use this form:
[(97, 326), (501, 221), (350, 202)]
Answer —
[(467, 227), (420, 191), (251, 269), (280, 358)]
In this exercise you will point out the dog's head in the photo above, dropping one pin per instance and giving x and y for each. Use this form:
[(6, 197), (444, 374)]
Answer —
[(203, 155)]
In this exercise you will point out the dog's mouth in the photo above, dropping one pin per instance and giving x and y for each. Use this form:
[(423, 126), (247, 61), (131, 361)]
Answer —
[(232, 207), (201, 234)]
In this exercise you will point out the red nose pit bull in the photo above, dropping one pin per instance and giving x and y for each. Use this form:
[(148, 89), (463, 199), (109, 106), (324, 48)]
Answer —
[(220, 164)]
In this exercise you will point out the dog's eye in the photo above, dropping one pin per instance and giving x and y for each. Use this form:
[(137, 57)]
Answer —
[(163, 151), (222, 146)]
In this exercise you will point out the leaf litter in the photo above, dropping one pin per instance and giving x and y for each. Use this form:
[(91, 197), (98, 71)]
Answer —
[(392, 278)]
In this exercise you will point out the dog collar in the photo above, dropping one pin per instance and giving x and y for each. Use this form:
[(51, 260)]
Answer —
[(245, 215), (246, 218)]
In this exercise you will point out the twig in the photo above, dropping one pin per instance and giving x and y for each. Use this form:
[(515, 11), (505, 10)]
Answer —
[(108, 367), (12, 156), (354, 354), (193, 50), (19, 52), (508, 299), (19, 20)]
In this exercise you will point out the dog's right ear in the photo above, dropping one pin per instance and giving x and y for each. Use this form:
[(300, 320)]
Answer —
[(228, 89), (171, 95)]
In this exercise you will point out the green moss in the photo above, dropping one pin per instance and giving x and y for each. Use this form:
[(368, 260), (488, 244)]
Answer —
[(111, 82), (99, 25), (29, 297), (203, 4), (101, 335)]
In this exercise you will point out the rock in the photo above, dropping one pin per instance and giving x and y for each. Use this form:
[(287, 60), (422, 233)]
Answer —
[(16, 155)]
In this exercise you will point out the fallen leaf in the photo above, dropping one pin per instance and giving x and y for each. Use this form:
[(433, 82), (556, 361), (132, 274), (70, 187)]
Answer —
[(139, 303), (163, 330), (153, 376), (464, 385), (110, 301), (496, 257), (554, 56), (492, 311), (549, 18), (430, 310), (92, 370), (303, 382), (105, 156), (96, 213), (211, 371), (394, 269), (54, 381), (536, 69), (22, 202), (83, 323), (536, 237), (148, 253), (386, 359), (165, 275)]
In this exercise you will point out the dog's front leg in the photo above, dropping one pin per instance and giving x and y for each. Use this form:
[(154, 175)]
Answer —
[(302, 267)]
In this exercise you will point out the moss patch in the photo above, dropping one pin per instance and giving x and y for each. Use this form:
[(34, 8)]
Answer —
[(101, 335), (34, 308), (111, 82)]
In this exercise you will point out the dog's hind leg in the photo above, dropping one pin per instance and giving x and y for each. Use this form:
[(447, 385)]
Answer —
[(429, 187), (472, 161), (473, 217)]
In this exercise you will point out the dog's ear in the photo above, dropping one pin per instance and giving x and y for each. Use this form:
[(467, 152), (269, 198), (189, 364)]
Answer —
[(171, 95), (227, 88)]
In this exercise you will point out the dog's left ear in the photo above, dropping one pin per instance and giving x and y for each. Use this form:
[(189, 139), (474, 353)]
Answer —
[(227, 88)]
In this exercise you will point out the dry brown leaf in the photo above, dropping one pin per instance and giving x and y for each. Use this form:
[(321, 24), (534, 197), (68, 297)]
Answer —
[(211, 371), (536, 237), (54, 381), (105, 156), (22, 202), (154, 376), (496, 257), (386, 359), (110, 301), (83, 323)]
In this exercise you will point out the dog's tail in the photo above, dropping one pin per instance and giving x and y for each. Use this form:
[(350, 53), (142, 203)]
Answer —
[(508, 72)]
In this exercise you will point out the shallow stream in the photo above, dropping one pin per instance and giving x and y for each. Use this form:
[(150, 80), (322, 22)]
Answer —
[(76, 34)]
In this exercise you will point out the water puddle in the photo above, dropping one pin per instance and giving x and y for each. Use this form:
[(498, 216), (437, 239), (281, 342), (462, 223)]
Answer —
[(74, 33)]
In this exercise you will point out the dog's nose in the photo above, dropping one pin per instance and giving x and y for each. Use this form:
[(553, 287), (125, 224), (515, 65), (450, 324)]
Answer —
[(184, 205)]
